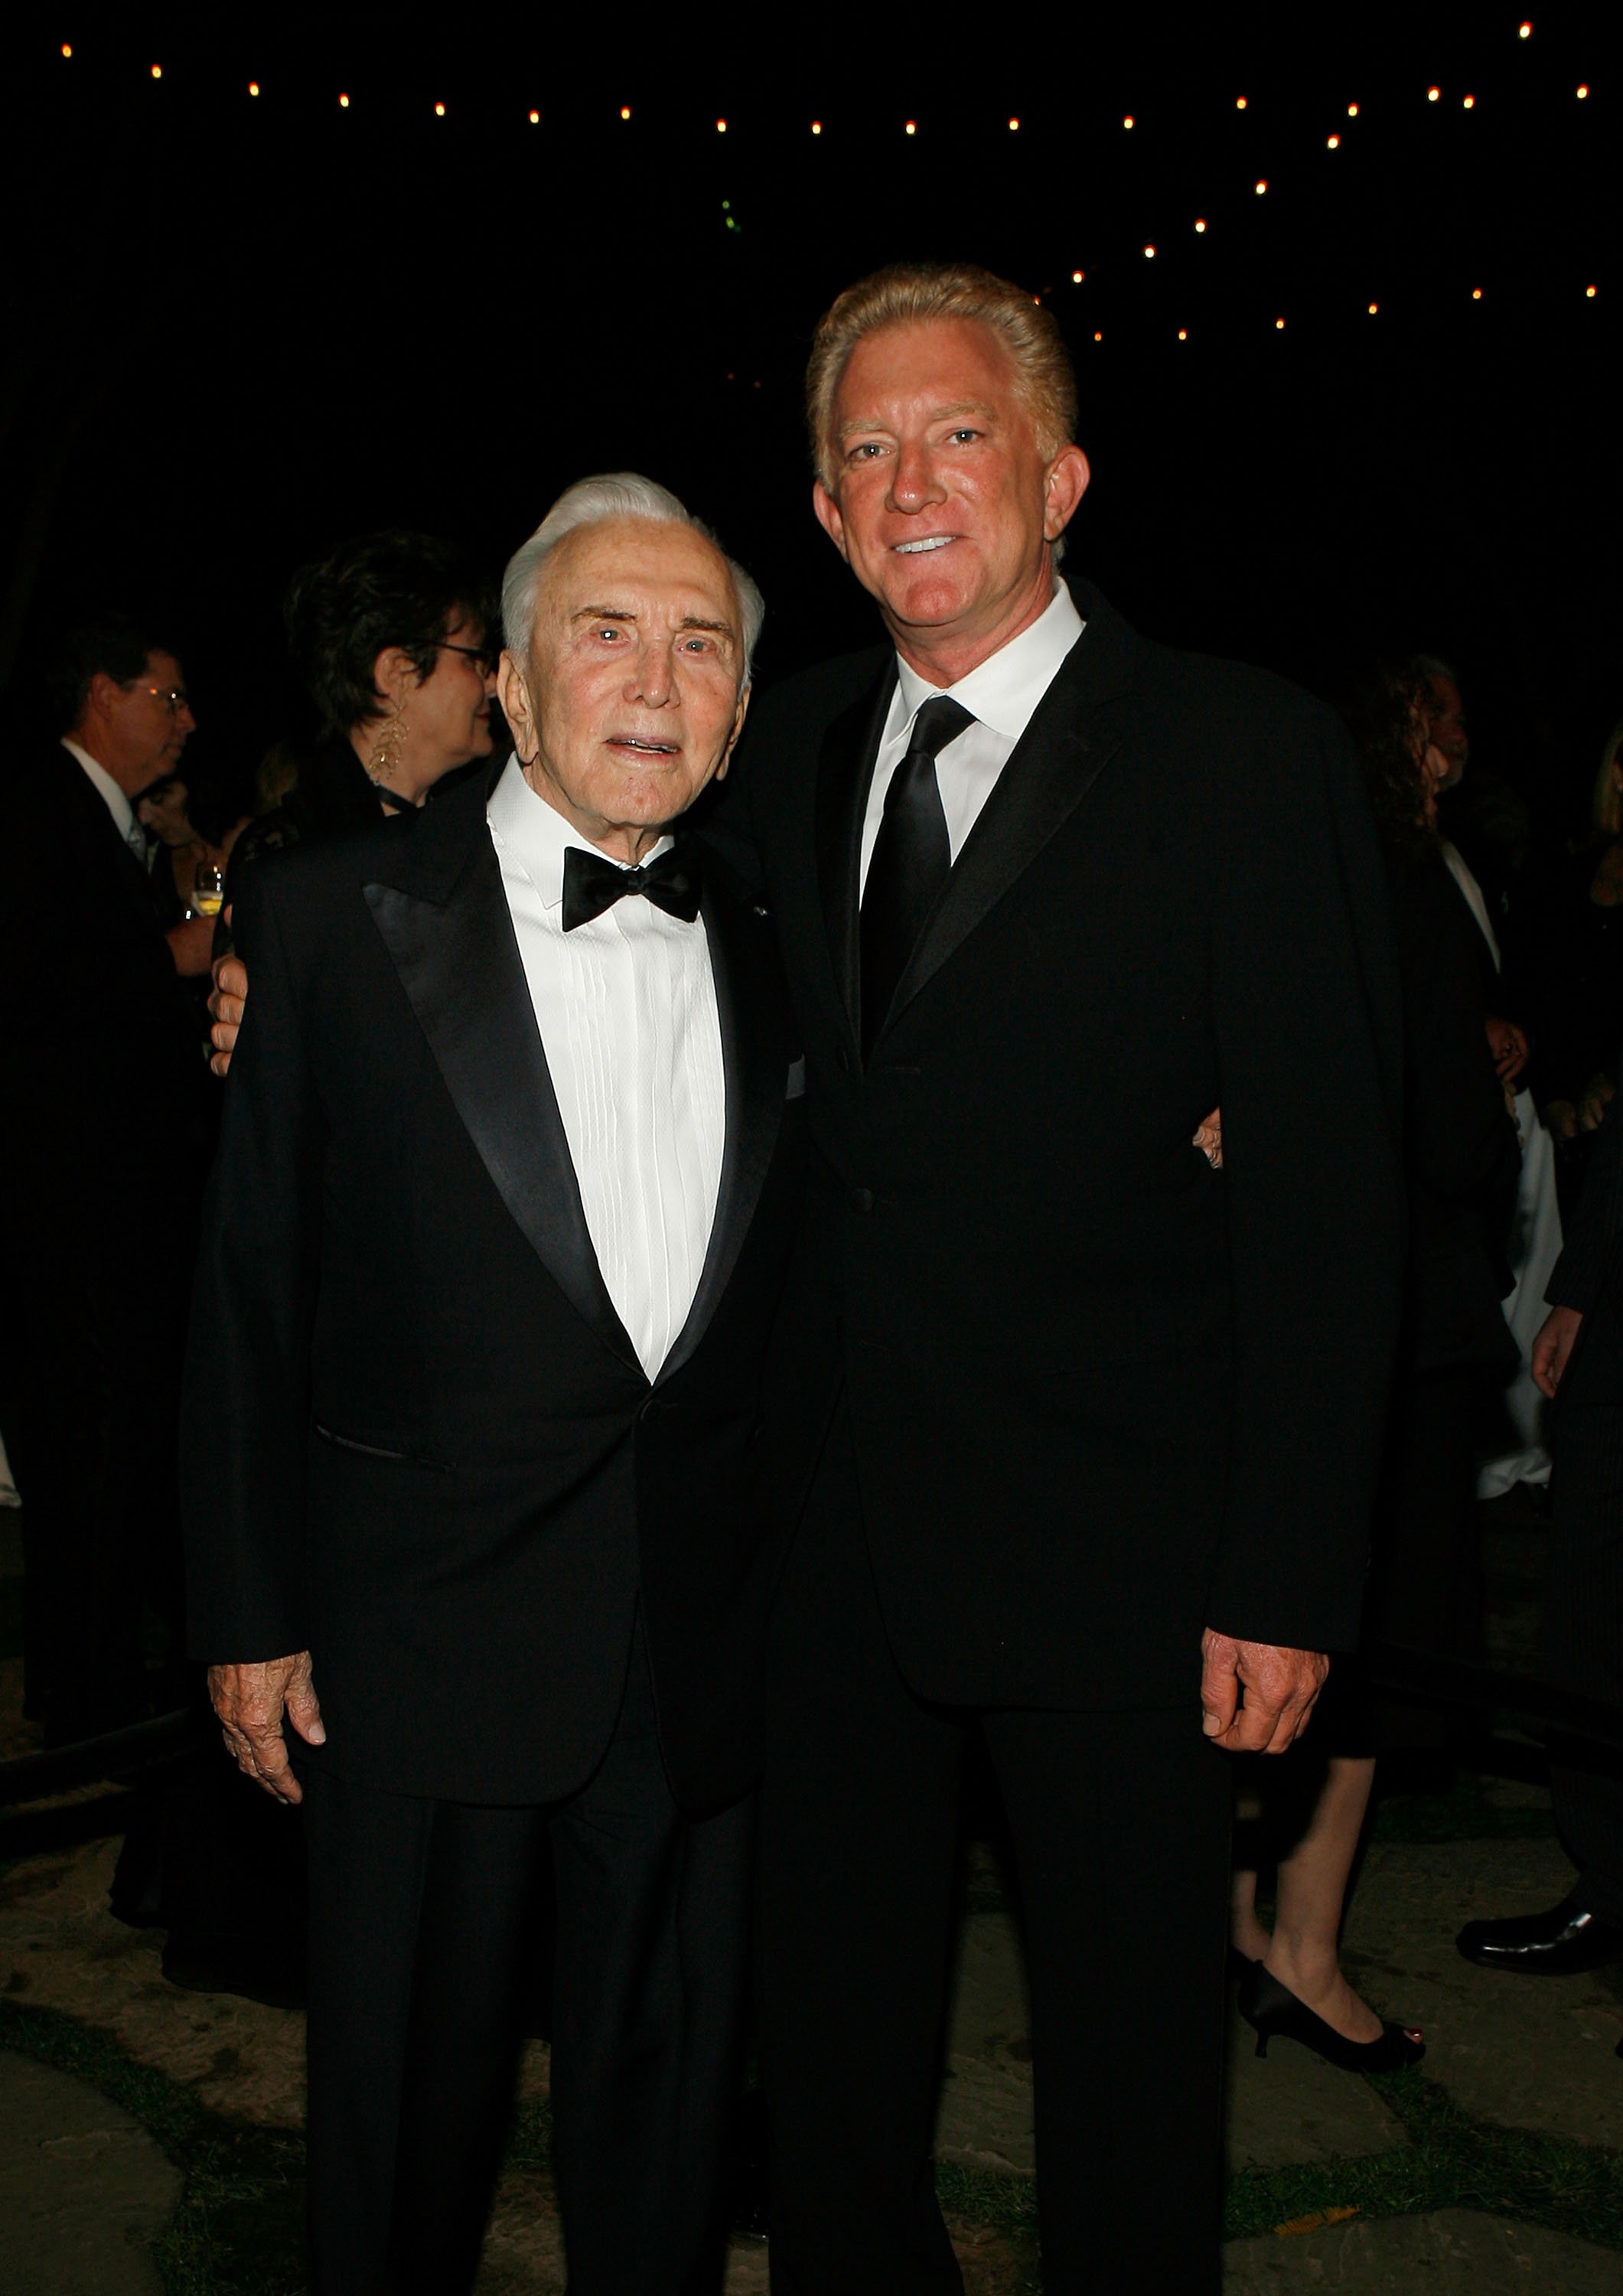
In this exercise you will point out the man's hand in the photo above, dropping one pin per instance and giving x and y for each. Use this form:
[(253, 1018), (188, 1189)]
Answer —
[(1255, 1697), (225, 1003), (1508, 1044), (1553, 1349), (250, 1701)]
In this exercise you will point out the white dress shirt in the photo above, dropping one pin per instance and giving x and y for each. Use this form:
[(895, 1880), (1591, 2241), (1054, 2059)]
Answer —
[(626, 1010), (1002, 696), (113, 797), (1465, 877)]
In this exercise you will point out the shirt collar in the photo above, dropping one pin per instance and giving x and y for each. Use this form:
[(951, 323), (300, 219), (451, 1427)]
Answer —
[(122, 811), (538, 834), (1004, 690)]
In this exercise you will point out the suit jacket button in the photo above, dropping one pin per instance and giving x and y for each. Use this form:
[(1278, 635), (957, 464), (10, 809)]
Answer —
[(862, 1200)]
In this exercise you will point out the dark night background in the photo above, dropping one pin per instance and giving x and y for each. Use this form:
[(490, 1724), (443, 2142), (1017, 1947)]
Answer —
[(238, 327)]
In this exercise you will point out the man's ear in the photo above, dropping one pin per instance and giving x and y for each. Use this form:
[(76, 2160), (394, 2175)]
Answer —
[(513, 695), (1063, 489), (828, 517), (103, 691)]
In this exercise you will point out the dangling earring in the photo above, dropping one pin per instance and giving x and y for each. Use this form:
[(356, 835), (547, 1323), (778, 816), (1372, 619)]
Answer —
[(385, 760)]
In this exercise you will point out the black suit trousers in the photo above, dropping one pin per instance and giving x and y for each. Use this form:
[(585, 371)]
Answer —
[(424, 1919), (1584, 1639), (99, 1304), (1120, 1827)]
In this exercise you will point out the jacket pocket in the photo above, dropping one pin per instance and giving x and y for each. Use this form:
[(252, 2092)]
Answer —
[(375, 1450)]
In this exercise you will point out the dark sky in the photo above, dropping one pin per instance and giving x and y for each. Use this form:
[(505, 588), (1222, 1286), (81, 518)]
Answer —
[(239, 327)]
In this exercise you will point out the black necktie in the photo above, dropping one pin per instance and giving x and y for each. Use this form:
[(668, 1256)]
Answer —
[(593, 883), (911, 861)]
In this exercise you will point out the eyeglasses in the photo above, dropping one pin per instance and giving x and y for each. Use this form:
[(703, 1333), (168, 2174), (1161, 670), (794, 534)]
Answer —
[(485, 657), (174, 698)]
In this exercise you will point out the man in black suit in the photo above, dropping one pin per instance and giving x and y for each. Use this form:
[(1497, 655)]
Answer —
[(1577, 1363), (1061, 1405), (100, 1172), (508, 1177)]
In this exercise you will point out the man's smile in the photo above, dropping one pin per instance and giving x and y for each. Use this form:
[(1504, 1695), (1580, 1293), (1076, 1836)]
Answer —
[(925, 542)]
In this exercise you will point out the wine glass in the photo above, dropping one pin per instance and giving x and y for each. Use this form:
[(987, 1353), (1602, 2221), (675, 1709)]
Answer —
[(207, 891)]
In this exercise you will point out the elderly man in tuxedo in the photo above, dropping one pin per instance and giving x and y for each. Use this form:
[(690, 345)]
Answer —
[(508, 1177), (1078, 1430)]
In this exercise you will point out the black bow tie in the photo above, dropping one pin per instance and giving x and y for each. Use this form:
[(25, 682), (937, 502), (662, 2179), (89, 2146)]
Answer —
[(593, 883)]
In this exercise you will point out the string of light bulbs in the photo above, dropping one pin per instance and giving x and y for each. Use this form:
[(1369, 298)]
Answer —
[(913, 128)]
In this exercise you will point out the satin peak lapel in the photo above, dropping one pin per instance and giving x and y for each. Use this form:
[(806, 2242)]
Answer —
[(459, 963), (844, 771), (743, 964)]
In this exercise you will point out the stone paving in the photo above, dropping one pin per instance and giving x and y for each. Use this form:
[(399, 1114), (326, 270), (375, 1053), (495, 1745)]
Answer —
[(88, 2189), (1536, 2056), (83, 2190)]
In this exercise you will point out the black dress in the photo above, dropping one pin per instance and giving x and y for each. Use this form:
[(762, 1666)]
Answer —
[(333, 794), (1461, 1163)]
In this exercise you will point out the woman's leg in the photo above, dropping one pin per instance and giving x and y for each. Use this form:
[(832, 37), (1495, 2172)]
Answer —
[(1304, 1950)]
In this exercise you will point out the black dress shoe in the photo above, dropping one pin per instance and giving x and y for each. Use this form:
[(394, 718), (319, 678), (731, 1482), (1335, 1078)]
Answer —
[(1564, 1942)]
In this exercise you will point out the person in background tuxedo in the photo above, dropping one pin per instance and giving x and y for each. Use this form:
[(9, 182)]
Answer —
[(509, 1174), (99, 1165), (1078, 1431), (1578, 1361)]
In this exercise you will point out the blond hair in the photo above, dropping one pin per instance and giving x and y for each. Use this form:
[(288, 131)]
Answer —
[(1607, 807), (904, 293)]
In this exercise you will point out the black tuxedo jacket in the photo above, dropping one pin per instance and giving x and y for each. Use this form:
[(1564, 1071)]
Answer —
[(419, 1440), (1101, 1395), (102, 1059), (1461, 1159)]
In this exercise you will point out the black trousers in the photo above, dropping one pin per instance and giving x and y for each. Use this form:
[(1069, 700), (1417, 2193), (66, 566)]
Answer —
[(423, 1921), (1584, 1639), (1120, 1826)]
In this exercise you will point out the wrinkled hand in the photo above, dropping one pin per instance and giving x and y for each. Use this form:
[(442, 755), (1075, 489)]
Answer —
[(1208, 1138), (1557, 1338), (250, 1701), (225, 1003), (1597, 1097), (1509, 1045), (1255, 1697)]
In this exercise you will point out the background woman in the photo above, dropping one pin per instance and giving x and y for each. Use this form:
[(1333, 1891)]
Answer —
[(393, 638), (1460, 1166)]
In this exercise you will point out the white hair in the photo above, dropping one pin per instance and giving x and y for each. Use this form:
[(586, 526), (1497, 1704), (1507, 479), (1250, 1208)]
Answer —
[(590, 502)]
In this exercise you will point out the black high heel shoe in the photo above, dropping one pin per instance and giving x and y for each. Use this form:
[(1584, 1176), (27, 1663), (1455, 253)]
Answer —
[(1269, 2007)]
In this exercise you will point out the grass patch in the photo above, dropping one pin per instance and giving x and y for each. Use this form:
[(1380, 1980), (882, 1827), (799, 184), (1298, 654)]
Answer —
[(239, 2229), (1449, 2161)]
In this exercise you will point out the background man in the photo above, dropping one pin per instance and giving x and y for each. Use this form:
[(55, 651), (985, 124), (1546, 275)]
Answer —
[(1061, 1404), (506, 1185), (100, 1170), (1578, 1357)]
